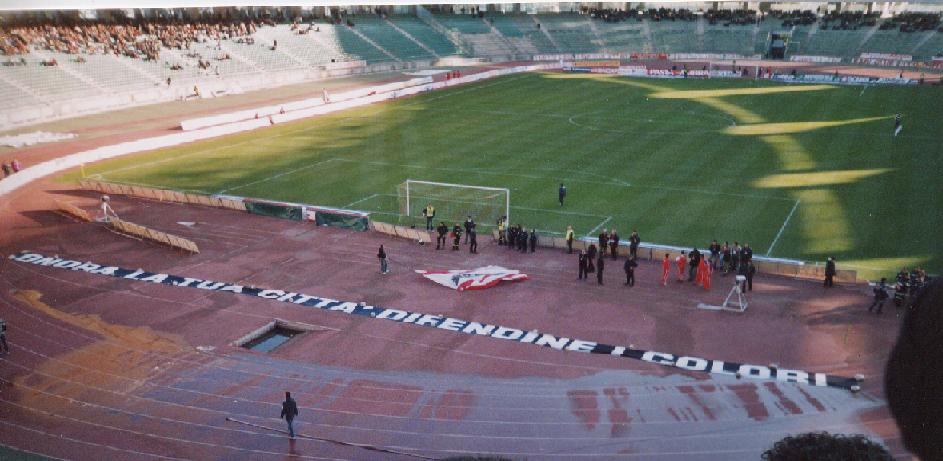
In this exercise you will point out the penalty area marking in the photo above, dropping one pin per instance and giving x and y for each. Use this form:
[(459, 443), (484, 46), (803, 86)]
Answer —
[(781, 229), (603, 223)]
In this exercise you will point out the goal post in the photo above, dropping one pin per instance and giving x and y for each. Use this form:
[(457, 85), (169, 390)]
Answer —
[(454, 202)]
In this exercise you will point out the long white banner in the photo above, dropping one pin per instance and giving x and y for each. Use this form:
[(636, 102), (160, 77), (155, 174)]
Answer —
[(560, 343)]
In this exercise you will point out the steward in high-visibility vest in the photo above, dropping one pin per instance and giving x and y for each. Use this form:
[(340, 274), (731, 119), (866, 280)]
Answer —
[(429, 213)]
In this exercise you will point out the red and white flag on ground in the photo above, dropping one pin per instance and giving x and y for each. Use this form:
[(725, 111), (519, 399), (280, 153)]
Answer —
[(473, 279)]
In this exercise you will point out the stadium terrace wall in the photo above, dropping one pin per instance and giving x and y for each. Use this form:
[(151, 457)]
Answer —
[(193, 88)]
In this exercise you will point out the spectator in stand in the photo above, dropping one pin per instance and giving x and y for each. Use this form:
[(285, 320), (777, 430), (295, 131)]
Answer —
[(7, 169), (15, 165)]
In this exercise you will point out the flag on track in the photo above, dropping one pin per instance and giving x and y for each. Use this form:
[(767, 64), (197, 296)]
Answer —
[(473, 279)]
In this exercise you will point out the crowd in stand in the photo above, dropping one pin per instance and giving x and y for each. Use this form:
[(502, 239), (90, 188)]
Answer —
[(638, 14), (849, 20), (846, 20), (913, 22), (795, 17), (142, 40), (732, 17)]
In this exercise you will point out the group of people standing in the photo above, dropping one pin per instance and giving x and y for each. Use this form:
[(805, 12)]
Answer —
[(593, 259), (516, 237)]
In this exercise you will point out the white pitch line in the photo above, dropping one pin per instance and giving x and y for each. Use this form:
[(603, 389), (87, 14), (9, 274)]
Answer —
[(781, 229), (361, 200), (590, 233), (285, 173)]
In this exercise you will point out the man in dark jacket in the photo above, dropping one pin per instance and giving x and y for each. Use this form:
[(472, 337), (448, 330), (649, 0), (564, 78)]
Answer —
[(715, 254), (289, 411), (442, 232), (634, 242), (725, 257), (613, 243), (601, 264), (629, 268), (603, 241), (533, 240), (583, 265), (750, 272), (590, 257), (694, 259), (473, 246), (830, 272), (562, 193), (469, 225)]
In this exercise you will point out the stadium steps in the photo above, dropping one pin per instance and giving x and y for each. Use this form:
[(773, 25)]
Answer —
[(546, 33), (624, 37), (387, 38), (306, 47), (428, 50), (376, 45), (437, 41), (356, 44), (597, 38), (569, 32), (66, 66), (927, 36), (517, 45), (138, 70), (50, 84), (15, 94), (454, 37)]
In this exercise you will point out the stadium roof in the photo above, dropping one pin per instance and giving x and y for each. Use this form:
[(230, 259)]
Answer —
[(19, 5)]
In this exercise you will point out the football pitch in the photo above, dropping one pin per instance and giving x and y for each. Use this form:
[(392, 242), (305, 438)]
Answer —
[(796, 171)]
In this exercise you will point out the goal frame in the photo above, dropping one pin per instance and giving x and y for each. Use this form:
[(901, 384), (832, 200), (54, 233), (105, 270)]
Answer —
[(507, 193)]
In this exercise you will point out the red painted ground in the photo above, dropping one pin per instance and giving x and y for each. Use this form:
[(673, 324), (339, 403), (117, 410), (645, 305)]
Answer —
[(103, 368)]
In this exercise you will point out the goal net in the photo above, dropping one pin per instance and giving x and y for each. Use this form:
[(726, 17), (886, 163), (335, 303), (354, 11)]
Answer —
[(454, 202)]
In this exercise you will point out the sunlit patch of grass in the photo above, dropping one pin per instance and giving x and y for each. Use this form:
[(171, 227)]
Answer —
[(816, 179), (792, 127), (719, 93)]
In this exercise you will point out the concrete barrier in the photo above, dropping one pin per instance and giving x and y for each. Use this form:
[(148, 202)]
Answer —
[(73, 210), (138, 230)]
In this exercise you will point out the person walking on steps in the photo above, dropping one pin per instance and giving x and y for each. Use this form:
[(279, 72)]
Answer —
[(569, 239), (600, 265), (3, 337), (830, 272), (880, 295), (629, 268), (289, 411), (384, 268), (584, 265)]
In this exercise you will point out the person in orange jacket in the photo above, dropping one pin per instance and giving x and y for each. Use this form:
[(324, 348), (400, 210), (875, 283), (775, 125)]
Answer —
[(682, 261), (665, 270), (704, 274)]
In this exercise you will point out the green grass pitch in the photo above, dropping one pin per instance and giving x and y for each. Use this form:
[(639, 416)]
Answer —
[(796, 171)]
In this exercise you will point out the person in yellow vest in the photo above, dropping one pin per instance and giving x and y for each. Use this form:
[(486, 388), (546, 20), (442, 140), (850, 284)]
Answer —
[(569, 239), (429, 213), (501, 231)]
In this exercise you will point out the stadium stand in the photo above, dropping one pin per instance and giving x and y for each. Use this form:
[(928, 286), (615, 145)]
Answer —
[(45, 63)]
